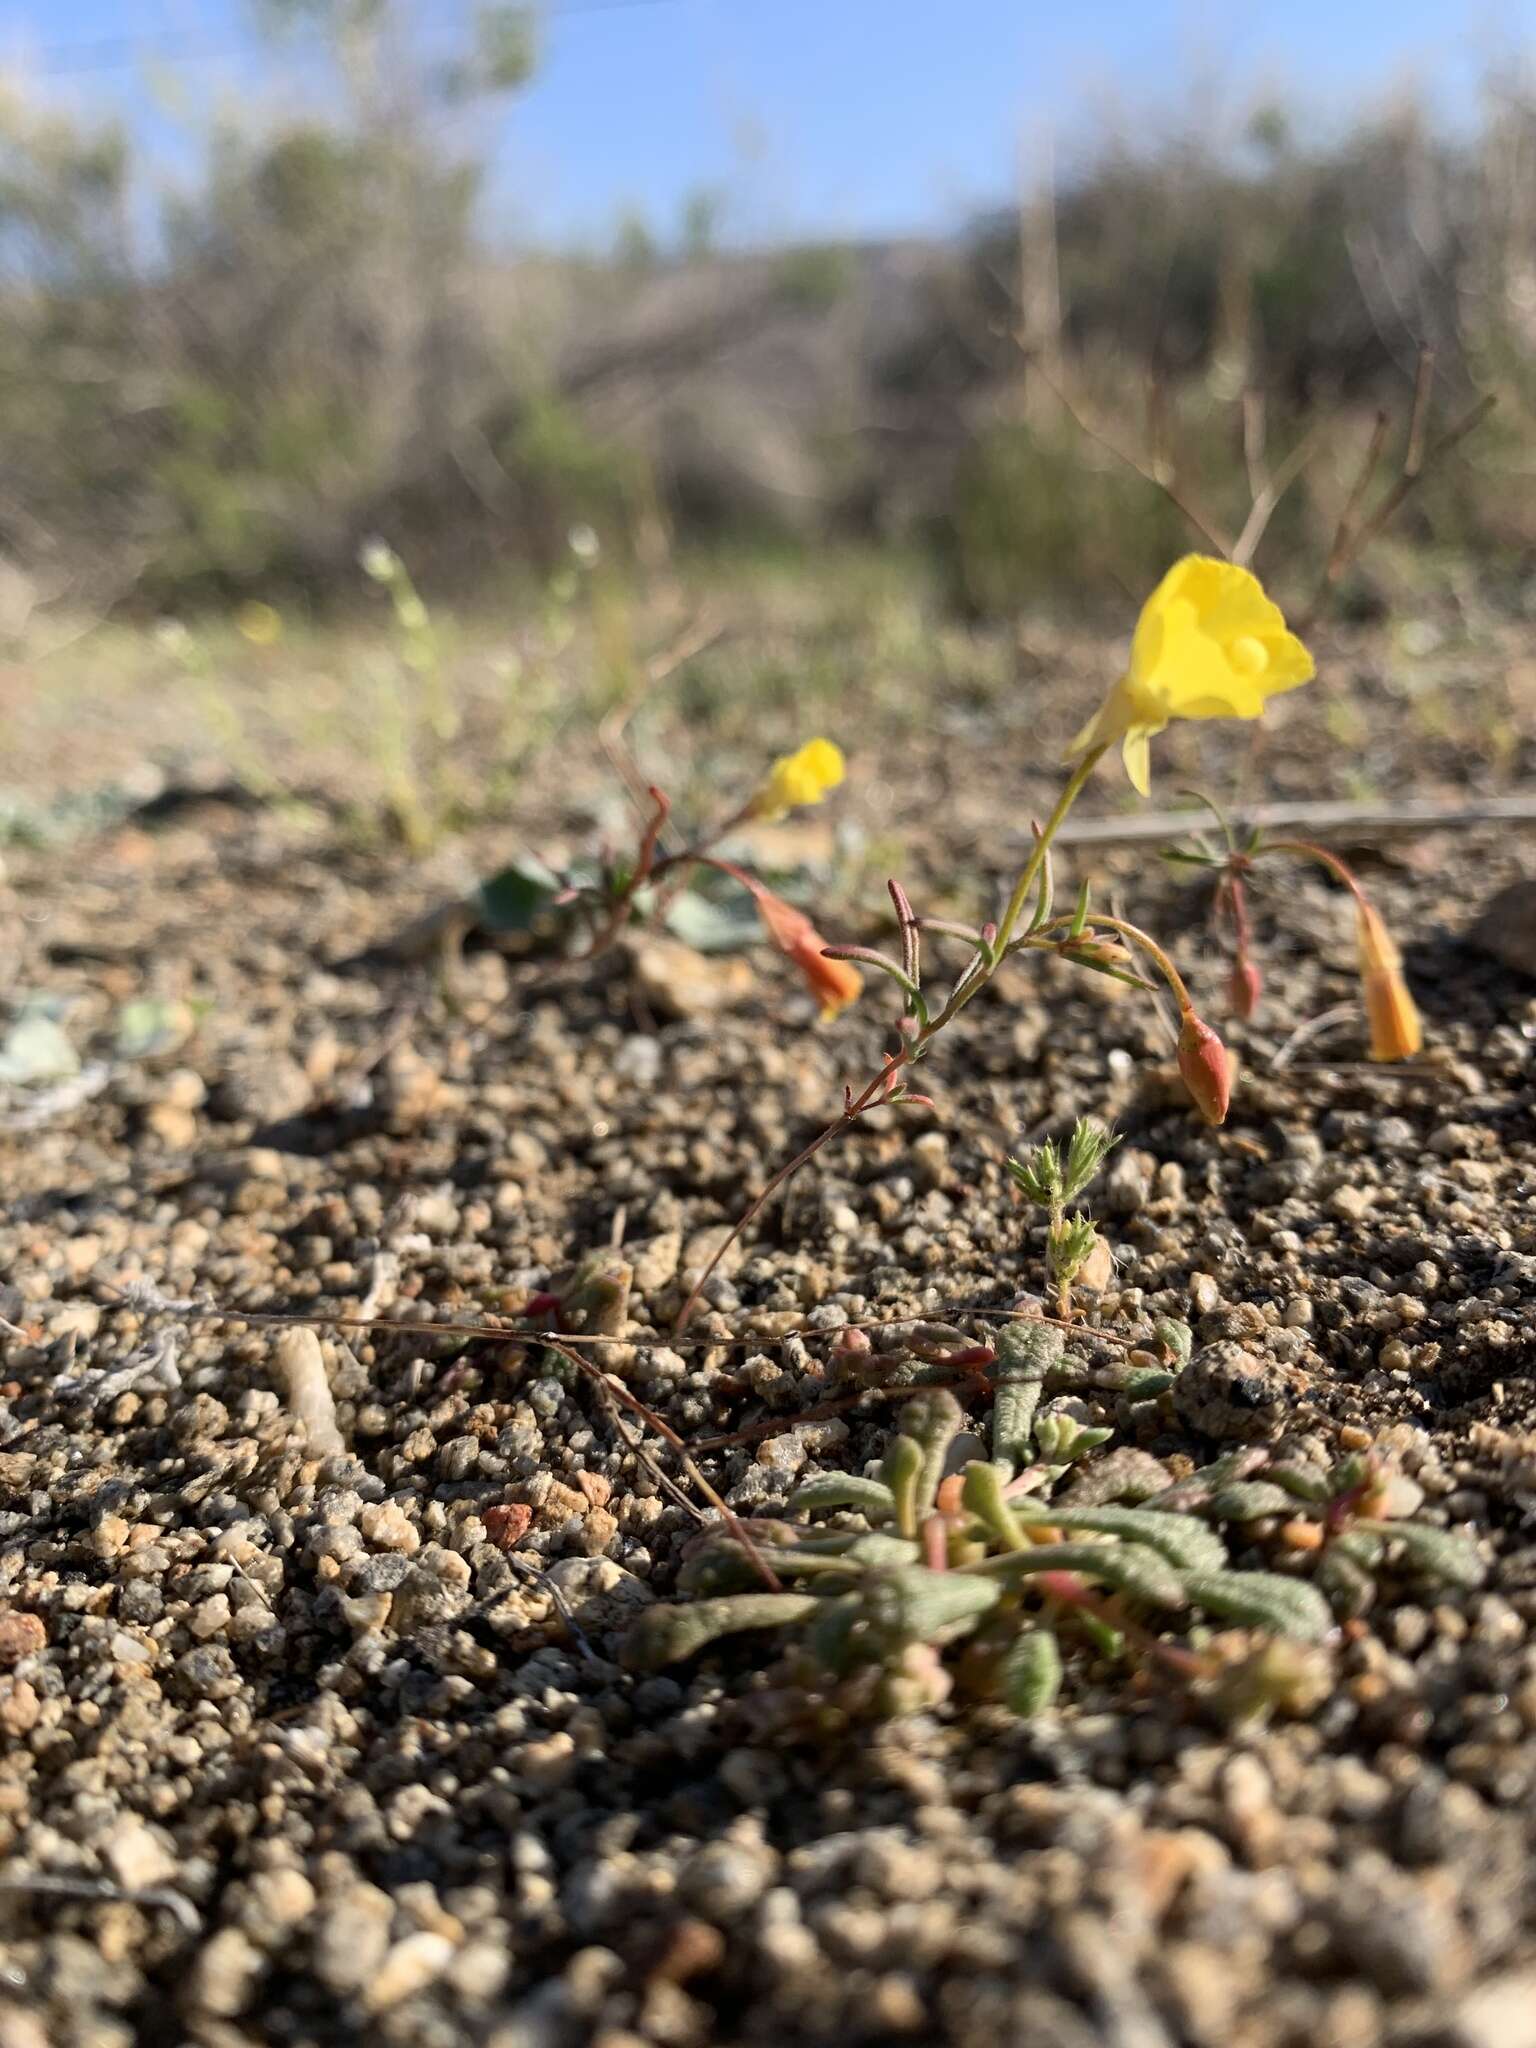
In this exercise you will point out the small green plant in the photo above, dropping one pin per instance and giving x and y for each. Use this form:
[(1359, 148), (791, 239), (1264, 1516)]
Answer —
[(985, 1556), (416, 753), (996, 1576), (1051, 1178), (1354, 1520)]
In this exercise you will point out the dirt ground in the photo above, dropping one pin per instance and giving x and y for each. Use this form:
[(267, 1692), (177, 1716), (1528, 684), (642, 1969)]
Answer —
[(308, 1746)]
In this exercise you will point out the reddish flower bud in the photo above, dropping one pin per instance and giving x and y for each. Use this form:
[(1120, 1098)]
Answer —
[(1244, 988), (1203, 1065)]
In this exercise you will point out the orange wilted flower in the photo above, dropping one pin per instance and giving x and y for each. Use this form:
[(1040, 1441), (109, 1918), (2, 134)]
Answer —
[(1204, 1068), (834, 983), (1391, 1013)]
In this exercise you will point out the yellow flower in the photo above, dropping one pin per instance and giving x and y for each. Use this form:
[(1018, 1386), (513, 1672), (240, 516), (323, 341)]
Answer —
[(1390, 1011), (1208, 644), (259, 623), (803, 777)]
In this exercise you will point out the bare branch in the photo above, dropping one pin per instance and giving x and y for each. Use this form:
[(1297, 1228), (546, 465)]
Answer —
[(1170, 488)]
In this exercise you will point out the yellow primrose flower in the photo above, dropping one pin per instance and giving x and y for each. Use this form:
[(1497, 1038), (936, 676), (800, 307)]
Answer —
[(803, 777), (1208, 644)]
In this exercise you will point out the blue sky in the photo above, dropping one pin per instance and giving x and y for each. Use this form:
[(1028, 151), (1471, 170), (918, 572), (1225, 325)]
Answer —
[(840, 116)]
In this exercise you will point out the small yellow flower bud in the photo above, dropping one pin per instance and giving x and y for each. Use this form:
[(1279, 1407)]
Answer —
[(259, 623)]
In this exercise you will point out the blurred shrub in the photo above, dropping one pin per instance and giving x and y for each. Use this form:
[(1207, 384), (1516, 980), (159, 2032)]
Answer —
[(312, 347), (1031, 522)]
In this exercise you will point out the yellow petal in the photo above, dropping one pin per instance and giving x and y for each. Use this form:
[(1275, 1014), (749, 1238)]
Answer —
[(1114, 718), (1137, 756), (801, 778)]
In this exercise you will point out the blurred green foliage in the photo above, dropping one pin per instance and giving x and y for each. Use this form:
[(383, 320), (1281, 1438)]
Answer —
[(309, 346)]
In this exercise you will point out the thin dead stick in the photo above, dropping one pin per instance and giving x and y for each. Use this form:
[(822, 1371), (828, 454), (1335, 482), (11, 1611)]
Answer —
[(616, 1390), (1385, 820), (766, 1193), (1267, 498), (1313, 1027), (98, 1891), (757, 1432), (1418, 420), (149, 1302), (1175, 495), (641, 1453), (1255, 439), (702, 632), (557, 1600), (1354, 535), (1344, 532)]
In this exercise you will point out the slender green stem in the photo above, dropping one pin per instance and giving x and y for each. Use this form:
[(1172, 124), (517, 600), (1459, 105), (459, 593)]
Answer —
[(1135, 936), (971, 984), (880, 1086), (1026, 881), (1305, 849)]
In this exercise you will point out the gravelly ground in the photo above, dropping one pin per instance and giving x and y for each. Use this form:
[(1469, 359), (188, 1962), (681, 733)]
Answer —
[(318, 1729)]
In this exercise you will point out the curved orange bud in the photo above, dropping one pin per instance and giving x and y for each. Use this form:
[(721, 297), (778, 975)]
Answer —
[(834, 983), (1390, 1011), (1203, 1066)]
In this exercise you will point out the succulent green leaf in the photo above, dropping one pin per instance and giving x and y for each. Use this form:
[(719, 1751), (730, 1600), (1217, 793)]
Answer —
[(902, 1469), (1347, 1582), (1183, 1541), (1175, 1339), (846, 1490), (1195, 1492), (1246, 1500), (831, 1640), (1031, 1673), (1304, 1482), (1291, 1607), (1061, 1438), (982, 1494), (916, 1605), (1436, 1553), (1129, 1567), (932, 1421), (666, 1635), (1026, 1354)]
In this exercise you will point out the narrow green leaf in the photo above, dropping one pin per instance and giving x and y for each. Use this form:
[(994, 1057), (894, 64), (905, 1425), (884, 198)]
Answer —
[(666, 1635), (1291, 1607), (1031, 1673), (845, 1490)]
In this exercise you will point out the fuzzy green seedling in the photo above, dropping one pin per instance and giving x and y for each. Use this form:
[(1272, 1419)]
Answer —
[(1052, 1177), (1031, 1673)]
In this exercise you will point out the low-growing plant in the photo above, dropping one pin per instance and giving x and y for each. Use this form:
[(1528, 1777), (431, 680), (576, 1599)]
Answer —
[(1354, 1520), (993, 1575)]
